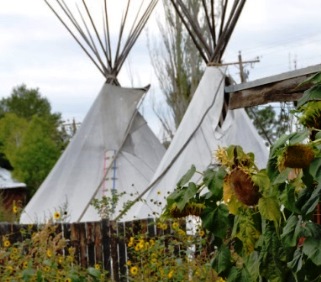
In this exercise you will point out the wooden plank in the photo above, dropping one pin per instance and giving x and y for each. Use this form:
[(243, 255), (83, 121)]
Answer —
[(114, 250), (66, 231), (90, 243), (74, 240), (151, 227), (278, 88), (106, 245), (98, 243), (122, 251)]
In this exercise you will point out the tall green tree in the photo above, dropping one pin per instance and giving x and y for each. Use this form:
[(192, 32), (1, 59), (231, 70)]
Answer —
[(12, 130), (26, 103), (37, 154), (31, 136)]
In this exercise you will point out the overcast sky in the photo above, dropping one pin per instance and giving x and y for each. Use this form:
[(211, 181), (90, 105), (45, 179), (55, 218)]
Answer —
[(35, 49)]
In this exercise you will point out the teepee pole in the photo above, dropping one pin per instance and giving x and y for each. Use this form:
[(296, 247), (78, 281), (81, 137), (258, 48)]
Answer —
[(75, 37), (190, 32), (94, 27), (107, 36)]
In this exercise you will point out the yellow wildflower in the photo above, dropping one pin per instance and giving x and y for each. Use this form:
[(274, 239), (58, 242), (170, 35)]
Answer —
[(25, 264), (68, 279), (15, 209), (57, 215), (201, 233), (70, 258), (162, 226), (181, 232), (129, 263), (97, 266), (170, 274), (131, 242), (71, 251), (49, 253), (152, 242), (9, 268), (6, 243), (134, 270), (175, 225), (141, 244), (46, 268), (13, 256), (60, 259)]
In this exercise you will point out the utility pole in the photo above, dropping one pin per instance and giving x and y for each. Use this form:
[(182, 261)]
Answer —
[(241, 64)]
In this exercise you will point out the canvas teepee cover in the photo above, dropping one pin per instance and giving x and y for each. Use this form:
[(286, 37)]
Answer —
[(200, 132), (114, 149)]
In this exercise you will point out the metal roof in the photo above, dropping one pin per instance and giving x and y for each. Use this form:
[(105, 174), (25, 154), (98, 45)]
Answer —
[(7, 182)]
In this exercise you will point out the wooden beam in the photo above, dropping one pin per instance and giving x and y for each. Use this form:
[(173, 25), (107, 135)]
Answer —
[(277, 88)]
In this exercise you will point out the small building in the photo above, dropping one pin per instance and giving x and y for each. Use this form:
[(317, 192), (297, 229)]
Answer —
[(11, 191)]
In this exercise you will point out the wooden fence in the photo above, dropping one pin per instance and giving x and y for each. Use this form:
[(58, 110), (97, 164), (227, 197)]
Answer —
[(103, 242)]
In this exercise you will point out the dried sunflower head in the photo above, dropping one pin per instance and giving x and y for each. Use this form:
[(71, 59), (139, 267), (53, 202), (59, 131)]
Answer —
[(296, 156)]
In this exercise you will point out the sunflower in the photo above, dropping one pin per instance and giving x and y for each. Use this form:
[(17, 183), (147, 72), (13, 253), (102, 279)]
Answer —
[(175, 225), (57, 215), (134, 270), (15, 209), (49, 253), (6, 243), (201, 233)]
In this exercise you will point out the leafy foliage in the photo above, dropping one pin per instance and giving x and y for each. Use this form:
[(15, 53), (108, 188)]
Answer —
[(274, 239), (43, 255), (31, 140)]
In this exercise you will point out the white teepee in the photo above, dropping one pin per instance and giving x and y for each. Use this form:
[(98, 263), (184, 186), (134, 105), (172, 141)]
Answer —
[(114, 151), (201, 132)]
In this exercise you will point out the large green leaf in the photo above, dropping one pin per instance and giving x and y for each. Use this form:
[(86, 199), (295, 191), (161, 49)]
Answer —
[(282, 176), (238, 275), (234, 275), (312, 249), (312, 202), (288, 197), (189, 193), (252, 264), (175, 197), (312, 229), (315, 169), (270, 209), (223, 260), (312, 94), (297, 262), (187, 176), (214, 181), (94, 272), (292, 230), (262, 180), (215, 219), (314, 79)]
